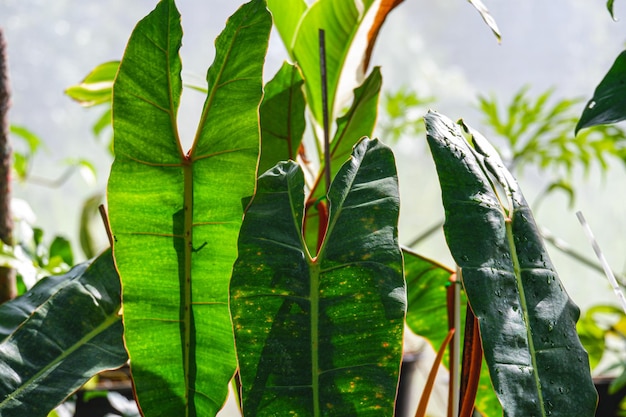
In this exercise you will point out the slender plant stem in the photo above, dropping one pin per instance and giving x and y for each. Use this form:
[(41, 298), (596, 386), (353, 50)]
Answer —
[(8, 288), (324, 78), (472, 362), (105, 221)]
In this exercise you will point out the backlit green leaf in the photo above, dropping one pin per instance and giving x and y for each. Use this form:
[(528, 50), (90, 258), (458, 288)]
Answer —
[(96, 87), (175, 214)]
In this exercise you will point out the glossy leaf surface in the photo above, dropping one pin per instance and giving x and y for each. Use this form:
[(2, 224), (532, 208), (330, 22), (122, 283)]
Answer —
[(57, 336), (527, 321), (608, 104), (176, 215), (323, 335), (282, 117)]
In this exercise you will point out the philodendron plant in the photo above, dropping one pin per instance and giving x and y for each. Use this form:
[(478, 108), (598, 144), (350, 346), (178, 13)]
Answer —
[(289, 279)]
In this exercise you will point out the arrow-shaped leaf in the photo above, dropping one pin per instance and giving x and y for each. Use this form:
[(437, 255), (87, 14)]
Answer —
[(57, 336), (321, 335), (175, 214), (527, 321)]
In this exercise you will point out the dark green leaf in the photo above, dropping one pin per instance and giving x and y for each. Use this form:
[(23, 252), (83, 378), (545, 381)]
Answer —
[(282, 117), (321, 335), (175, 214), (608, 104), (527, 321), (57, 336)]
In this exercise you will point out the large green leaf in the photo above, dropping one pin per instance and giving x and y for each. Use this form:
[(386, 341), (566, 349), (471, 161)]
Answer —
[(176, 215), (59, 334), (527, 321), (282, 117), (608, 104), (321, 335)]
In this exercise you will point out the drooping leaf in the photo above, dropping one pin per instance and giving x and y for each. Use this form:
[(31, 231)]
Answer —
[(57, 336), (609, 7), (608, 104), (96, 87), (32, 140), (527, 320), (489, 20), (282, 117), (321, 335), (175, 215)]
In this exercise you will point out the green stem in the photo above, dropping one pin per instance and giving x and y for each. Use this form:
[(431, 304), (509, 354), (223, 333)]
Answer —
[(314, 269), (187, 313)]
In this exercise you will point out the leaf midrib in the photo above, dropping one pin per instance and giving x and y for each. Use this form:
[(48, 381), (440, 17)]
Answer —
[(524, 308)]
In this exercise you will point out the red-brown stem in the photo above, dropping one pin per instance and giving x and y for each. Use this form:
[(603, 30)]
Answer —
[(430, 381), (322, 209), (8, 288), (451, 349), (472, 362)]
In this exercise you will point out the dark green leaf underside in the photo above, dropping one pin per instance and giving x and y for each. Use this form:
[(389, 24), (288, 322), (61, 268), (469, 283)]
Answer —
[(527, 321), (59, 334), (321, 336), (608, 104)]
